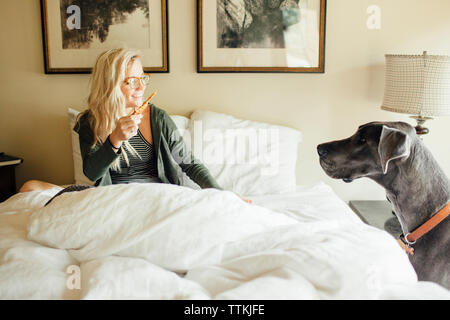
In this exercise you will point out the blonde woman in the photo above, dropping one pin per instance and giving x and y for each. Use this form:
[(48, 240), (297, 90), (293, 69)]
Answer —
[(118, 147)]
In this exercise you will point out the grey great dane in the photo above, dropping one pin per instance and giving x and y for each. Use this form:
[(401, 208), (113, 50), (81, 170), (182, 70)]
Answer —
[(391, 154)]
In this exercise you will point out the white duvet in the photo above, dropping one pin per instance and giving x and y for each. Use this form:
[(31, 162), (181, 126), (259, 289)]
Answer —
[(158, 241)]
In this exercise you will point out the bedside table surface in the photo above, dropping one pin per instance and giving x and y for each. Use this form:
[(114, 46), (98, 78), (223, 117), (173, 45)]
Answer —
[(373, 212), (7, 160), (7, 175)]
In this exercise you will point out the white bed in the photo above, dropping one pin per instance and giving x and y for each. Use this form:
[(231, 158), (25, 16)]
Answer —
[(158, 241)]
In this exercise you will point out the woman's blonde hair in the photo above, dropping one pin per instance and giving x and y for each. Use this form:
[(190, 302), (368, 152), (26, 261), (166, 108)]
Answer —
[(106, 101)]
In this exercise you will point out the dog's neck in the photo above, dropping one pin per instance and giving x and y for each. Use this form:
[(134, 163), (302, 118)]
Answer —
[(416, 188)]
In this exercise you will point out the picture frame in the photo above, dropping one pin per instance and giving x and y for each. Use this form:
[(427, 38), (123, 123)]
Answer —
[(261, 36), (76, 32)]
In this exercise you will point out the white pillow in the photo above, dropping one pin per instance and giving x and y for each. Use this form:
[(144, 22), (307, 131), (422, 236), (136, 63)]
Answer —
[(181, 123), (79, 177), (247, 157)]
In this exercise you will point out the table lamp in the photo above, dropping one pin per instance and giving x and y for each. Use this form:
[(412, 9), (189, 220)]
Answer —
[(418, 85)]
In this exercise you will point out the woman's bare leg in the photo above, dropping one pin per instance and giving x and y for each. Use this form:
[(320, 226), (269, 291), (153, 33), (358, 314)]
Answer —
[(36, 185)]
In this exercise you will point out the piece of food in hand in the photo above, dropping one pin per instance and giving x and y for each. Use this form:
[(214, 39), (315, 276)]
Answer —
[(246, 200), (144, 105)]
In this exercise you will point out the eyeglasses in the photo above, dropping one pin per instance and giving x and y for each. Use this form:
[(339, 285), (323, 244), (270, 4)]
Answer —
[(133, 82)]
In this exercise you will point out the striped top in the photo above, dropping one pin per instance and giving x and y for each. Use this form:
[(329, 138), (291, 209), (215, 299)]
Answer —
[(142, 170)]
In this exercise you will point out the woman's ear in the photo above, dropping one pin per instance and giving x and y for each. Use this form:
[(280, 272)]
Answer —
[(394, 144)]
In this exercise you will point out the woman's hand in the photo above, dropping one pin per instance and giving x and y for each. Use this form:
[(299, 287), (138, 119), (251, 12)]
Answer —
[(126, 127)]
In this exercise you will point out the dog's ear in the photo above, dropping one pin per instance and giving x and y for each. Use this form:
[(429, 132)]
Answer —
[(394, 144)]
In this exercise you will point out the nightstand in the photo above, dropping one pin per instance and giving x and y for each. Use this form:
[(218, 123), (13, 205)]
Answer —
[(8, 175), (377, 213)]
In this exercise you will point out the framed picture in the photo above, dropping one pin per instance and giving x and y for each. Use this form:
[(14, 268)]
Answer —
[(75, 32), (261, 35)]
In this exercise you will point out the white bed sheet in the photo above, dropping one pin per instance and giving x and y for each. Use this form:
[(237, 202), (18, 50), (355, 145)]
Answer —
[(308, 203), (27, 269), (323, 256)]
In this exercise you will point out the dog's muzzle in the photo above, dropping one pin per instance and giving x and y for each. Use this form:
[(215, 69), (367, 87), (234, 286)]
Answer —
[(327, 164), (322, 150)]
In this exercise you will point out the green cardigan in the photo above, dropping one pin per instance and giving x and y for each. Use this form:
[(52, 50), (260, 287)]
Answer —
[(169, 147)]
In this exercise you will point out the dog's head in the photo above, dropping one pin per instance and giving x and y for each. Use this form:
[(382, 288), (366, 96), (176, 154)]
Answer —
[(368, 152)]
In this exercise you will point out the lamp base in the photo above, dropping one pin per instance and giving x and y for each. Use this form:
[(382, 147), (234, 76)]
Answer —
[(420, 129)]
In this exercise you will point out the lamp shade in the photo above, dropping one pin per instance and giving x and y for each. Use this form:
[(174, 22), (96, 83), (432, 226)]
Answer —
[(417, 84)]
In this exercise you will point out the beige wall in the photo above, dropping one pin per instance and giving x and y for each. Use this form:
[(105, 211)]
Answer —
[(33, 122)]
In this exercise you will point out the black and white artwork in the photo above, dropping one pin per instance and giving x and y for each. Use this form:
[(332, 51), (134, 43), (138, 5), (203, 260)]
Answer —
[(255, 23), (261, 35), (75, 32), (87, 23)]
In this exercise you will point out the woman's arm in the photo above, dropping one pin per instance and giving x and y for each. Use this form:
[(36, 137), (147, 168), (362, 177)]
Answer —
[(96, 160), (186, 160)]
